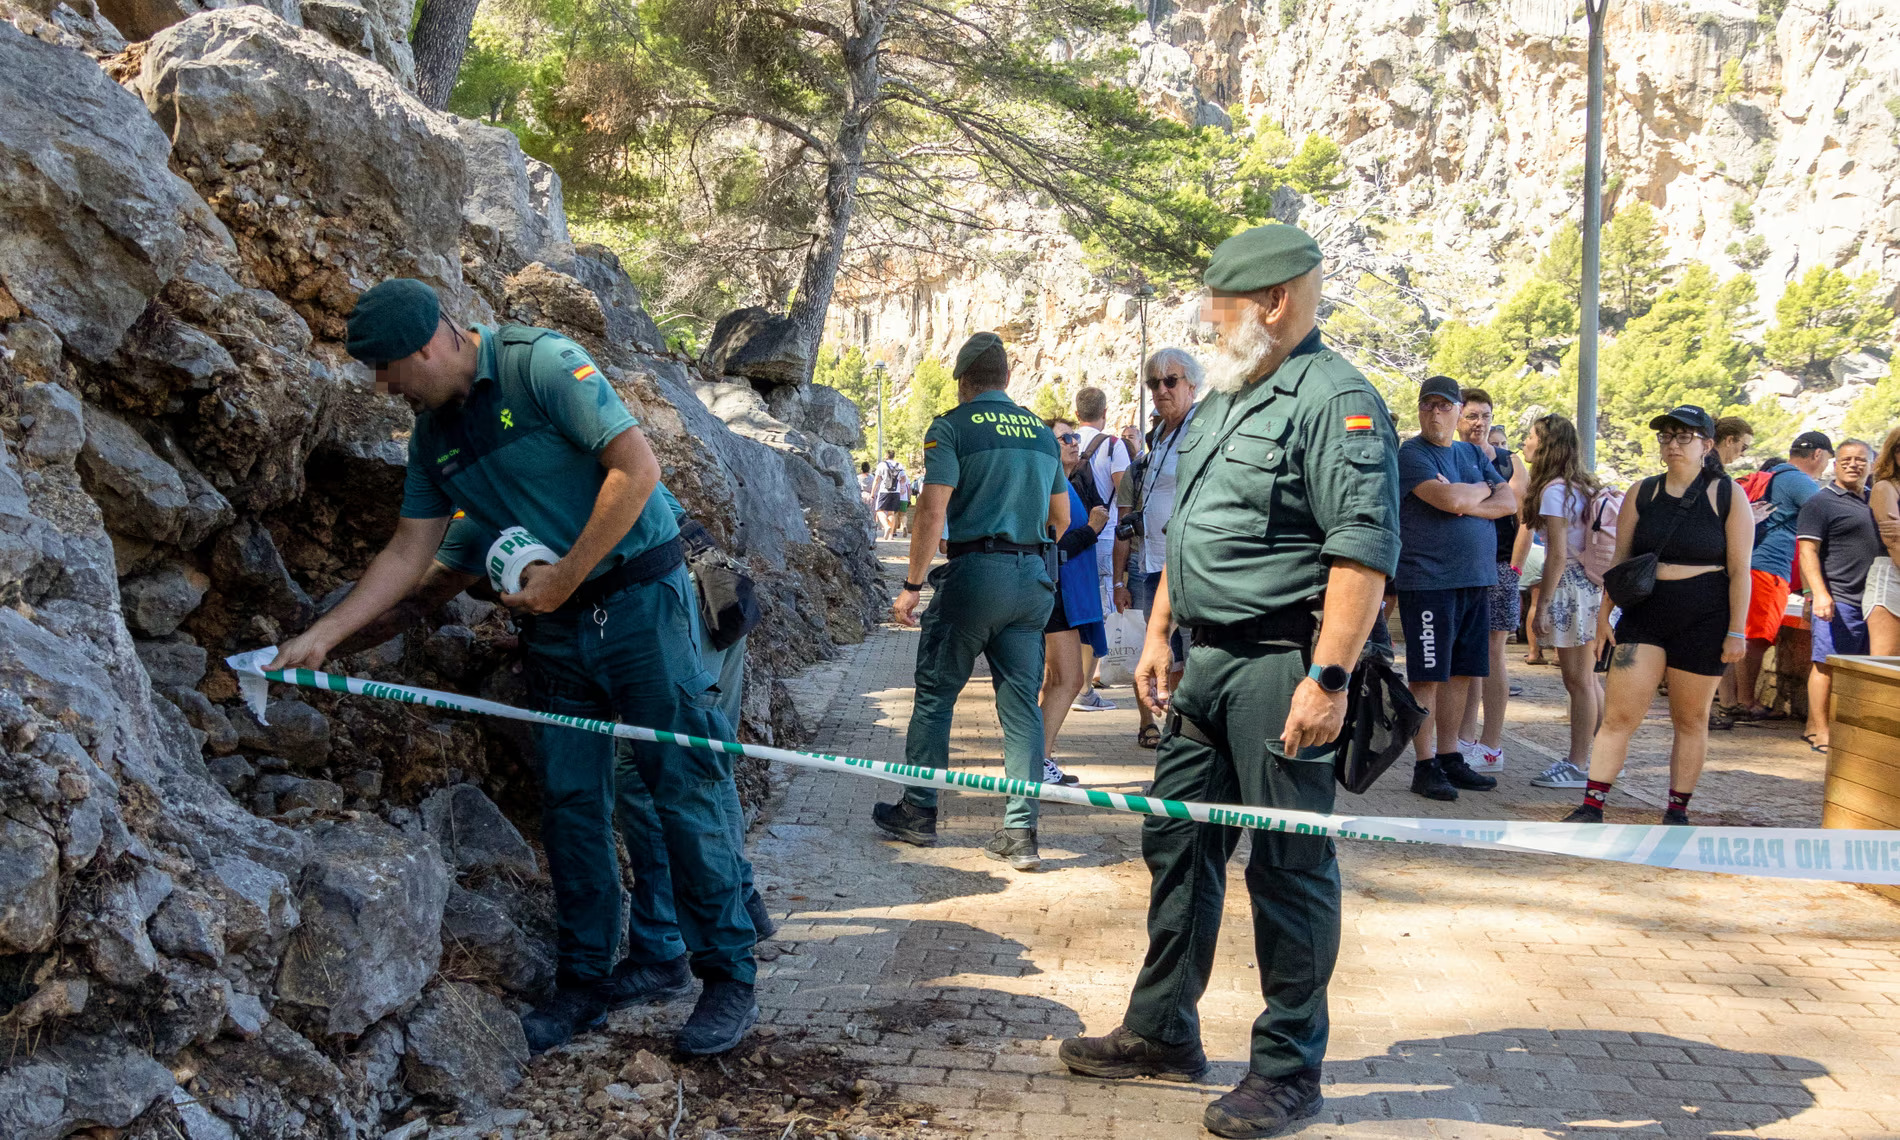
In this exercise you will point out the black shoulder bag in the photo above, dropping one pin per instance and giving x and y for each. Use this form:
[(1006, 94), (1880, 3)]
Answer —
[(728, 602), (1382, 716), (1633, 580)]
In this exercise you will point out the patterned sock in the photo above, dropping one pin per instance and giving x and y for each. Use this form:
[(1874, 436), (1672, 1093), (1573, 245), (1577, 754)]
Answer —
[(1595, 792), (1679, 801)]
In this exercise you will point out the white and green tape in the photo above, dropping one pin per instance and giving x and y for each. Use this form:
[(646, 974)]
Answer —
[(1775, 852)]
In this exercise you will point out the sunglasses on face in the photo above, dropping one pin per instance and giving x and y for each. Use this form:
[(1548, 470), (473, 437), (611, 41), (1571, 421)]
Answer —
[(1069, 437), (1155, 382)]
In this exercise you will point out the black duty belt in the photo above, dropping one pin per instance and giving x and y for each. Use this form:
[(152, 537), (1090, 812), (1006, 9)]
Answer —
[(1289, 627), (648, 566), (995, 546)]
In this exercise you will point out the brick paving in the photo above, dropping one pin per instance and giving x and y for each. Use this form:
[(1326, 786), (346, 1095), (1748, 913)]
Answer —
[(1478, 994)]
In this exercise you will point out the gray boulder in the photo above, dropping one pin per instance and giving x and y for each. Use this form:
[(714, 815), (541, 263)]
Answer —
[(473, 834), (507, 218), (598, 268), (221, 736), (142, 495), (155, 604), (296, 731), (29, 887), (59, 424), (245, 562), (486, 937), (758, 345), (93, 216), (109, 923), (79, 1083), (170, 664), (189, 925), (465, 1047), (258, 904), (372, 920)]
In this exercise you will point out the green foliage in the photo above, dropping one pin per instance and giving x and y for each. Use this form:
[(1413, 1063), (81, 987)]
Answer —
[(1751, 254), (1823, 315), (1877, 411), (1051, 401), (1632, 261), (1742, 214), (1540, 314), (1289, 13), (930, 392), (495, 72), (1382, 329), (1731, 80)]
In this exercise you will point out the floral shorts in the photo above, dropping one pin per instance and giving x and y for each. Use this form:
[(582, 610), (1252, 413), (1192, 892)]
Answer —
[(1573, 609)]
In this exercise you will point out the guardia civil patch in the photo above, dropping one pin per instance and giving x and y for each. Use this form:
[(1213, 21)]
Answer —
[(1358, 423), (585, 372)]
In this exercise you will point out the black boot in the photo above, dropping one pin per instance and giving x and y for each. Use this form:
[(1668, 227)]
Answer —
[(1125, 1053), (1459, 774), (1429, 782), (905, 821), (726, 1011), (763, 925), (1015, 846), (1263, 1106), (648, 985), (1584, 813), (575, 1007)]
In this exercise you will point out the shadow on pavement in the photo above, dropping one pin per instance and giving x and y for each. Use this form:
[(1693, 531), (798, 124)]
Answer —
[(1570, 1080)]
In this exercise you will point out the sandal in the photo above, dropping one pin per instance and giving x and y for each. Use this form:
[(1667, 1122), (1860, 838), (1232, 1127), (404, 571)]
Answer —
[(1149, 736), (1529, 660)]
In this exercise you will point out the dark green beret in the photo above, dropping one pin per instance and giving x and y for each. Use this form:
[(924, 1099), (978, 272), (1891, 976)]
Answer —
[(1261, 257), (392, 320), (974, 348)]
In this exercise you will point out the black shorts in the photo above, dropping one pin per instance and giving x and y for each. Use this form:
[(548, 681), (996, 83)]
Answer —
[(890, 501), (1058, 617), (1447, 633), (1687, 618)]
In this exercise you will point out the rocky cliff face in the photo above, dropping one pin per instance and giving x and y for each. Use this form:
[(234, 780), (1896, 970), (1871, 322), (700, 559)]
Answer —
[(208, 926), (1462, 123)]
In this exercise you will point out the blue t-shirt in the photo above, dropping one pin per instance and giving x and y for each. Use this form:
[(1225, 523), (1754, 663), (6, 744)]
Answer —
[(1437, 549), (1774, 554)]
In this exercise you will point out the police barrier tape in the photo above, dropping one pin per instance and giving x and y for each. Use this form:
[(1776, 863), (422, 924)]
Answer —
[(1775, 852)]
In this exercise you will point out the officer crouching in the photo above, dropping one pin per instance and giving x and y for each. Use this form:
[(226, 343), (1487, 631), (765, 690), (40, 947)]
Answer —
[(1284, 532), (993, 471)]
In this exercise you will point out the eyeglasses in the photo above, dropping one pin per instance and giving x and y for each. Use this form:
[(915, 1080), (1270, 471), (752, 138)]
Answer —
[(1069, 437), (1851, 461), (1679, 438), (1155, 382)]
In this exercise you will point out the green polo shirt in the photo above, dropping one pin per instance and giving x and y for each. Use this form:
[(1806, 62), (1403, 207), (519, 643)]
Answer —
[(1004, 465), (465, 548), (524, 448), (1276, 481)]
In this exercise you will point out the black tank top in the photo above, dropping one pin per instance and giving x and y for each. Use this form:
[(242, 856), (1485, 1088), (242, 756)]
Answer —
[(1699, 540), (1507, 524)]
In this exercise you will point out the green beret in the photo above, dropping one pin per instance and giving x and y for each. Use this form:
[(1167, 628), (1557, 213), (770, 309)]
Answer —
[(392, 320), (1261, 257), (974, 348)]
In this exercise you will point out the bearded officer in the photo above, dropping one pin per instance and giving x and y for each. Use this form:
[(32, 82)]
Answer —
[(519, 428), (993, 470), (1284, 532)]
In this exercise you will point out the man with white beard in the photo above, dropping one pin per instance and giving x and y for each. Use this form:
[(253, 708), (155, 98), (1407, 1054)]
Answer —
[(1284, 532)]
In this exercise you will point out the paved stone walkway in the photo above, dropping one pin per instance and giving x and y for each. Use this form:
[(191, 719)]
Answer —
[(1477, 995)]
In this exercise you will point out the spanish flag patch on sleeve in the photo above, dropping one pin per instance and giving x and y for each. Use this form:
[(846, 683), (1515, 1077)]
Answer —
[(1358, 423), (930, 445), (586, 372)]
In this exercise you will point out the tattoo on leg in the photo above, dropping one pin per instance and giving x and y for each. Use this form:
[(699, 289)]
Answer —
[(1623, 656)]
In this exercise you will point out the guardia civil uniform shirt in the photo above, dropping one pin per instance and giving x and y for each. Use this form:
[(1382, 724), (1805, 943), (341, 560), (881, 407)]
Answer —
[(524, 448), (1004, 465), (1276, 482)]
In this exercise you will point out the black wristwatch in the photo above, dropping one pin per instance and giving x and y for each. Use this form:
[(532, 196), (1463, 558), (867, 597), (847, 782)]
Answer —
[(914, 587), (1332, 678)]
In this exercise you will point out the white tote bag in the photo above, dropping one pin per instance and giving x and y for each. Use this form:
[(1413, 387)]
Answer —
[(1126, 632)]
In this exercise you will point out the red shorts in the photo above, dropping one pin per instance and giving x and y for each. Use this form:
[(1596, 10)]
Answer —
[(1767, 605)]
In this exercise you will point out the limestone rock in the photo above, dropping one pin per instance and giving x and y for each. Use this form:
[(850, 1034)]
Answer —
[(155, 604), (172, 663), (315, 795), (245, 561), (296, 731), (59, 424), (93, 215), (141, 494), (451, 649), (29, 887), (507, 215), (465, 1047), (481, 931), (756, 344), (473, 834), (598, 268), (189, 925), (258, 904), (83, 1082), (110, 925), (221, 737), (372, 917)]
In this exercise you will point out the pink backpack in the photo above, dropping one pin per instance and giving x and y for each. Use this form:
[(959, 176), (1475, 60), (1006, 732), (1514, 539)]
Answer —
[(1599, 543)]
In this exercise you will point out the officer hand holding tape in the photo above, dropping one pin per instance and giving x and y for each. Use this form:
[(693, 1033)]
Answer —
[(518, 427)]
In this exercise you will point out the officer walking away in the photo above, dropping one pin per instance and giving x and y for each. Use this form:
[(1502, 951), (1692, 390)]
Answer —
[(519, 428), (993, 470), (1285, 529)]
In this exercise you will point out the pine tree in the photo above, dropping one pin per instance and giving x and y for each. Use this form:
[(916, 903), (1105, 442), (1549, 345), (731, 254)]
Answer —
[(1824, 315), (1632, 261)]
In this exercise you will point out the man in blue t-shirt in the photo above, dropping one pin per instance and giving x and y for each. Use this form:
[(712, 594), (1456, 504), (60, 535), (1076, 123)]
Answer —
[(1448, 496), (1771, 570)]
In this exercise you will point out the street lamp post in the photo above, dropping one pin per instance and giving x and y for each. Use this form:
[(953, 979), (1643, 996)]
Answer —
[(879, 369), (1143, 295), (1592, 239)]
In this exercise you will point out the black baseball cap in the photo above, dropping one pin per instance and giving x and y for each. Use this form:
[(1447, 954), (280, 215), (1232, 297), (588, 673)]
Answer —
[(1689, 416), (1444, 387), (1812, 441)]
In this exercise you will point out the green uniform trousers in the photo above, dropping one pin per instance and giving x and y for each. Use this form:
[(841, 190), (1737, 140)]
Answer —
[(1238, 696), (653, 932), (633, 658), (993, 604)]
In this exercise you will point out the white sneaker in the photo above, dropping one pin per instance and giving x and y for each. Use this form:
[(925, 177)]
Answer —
[(1471, 750), (1054, 775), (1091, 701), (1562, 774), (1486, 759)]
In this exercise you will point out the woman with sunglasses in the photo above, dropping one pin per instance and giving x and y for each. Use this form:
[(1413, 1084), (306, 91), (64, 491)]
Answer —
[(1078, 606), (1692, 625)]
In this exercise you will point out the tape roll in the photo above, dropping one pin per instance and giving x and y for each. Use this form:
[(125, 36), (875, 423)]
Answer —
[(512, 553)]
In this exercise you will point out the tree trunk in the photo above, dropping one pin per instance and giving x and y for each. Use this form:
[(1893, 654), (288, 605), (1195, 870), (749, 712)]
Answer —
[(439, 42), (846, 164)]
